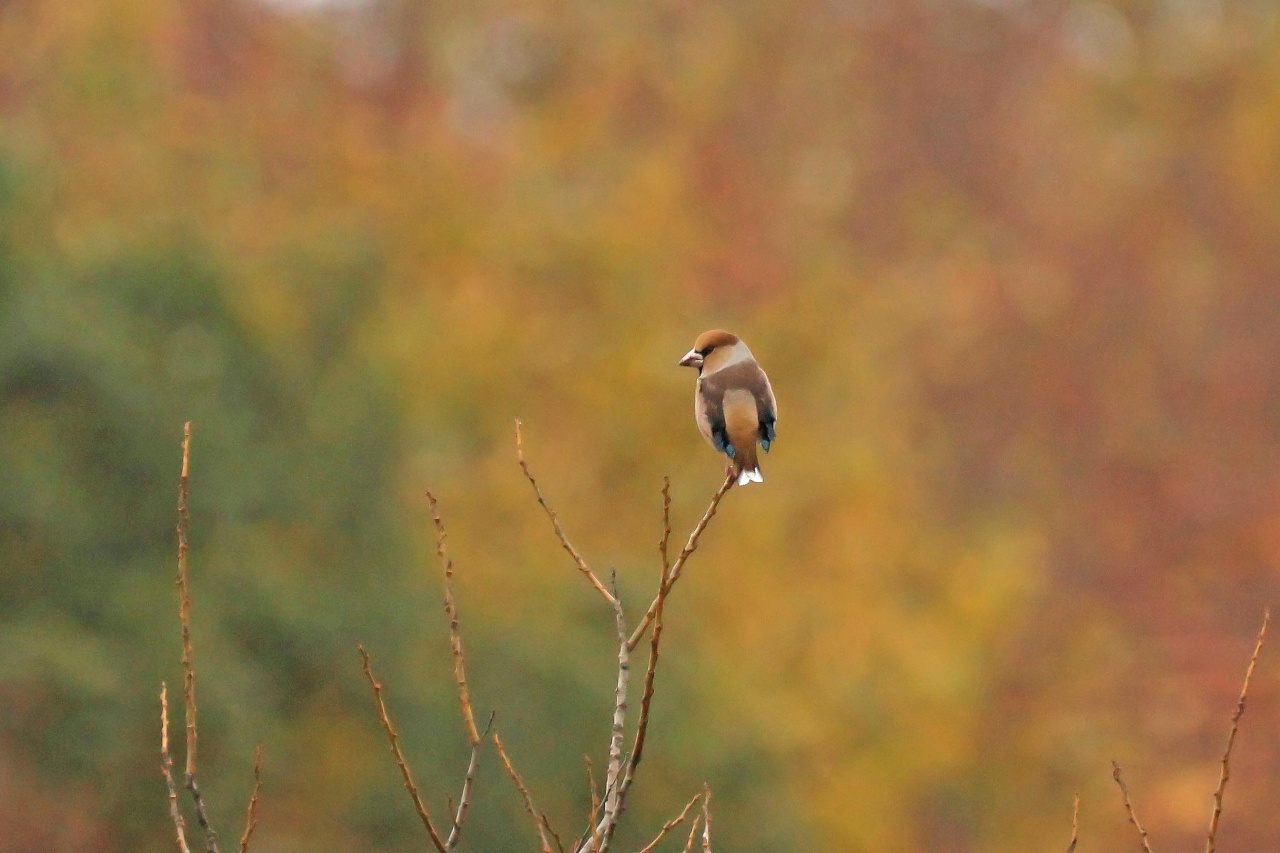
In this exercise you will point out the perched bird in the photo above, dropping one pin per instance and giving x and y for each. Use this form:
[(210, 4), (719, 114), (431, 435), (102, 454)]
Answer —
[(733, 403)]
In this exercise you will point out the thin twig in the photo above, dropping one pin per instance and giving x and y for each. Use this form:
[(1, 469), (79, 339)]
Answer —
[(678, 566), (202, 817), (591, 833), (671, 824), (394, 739), (525, 797), (1075, 824), (1128, 806), (693, 833), (555, 835), (665, 541), (706, 818), (184, 606), (251, 817), (455, 637), (166, 767), (646, 696), (459, 675), (555, 522), (188, 659), (1231, 736)]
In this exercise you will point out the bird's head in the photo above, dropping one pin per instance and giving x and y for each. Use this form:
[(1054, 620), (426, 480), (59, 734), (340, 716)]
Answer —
[(707, 343)]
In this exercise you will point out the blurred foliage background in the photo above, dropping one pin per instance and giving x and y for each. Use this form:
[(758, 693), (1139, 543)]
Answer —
[(1012, 266)]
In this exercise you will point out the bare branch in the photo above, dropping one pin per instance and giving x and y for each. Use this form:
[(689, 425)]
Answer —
[(455, 637), (459, 675), (706, 818), (672, 824), (394, 739), (251, 817), (555, 522), (554, 834), (1075, 824), (525, 797), (693, 833), (188, 659), (613, 779), (646, 697), (1128, 806), (1231, 736), (665, 541), (210, 837), (678, 566), (166, 767), (464, 798), (184, 606), (591, 835)]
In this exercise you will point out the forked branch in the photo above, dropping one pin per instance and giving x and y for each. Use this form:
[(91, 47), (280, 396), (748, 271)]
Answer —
[(678, 566), (673, 823), (166, 768), (606, 808)]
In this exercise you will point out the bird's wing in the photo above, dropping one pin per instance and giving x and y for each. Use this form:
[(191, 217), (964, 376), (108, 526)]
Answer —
[(767, 409), (745, 376), (709, 411)]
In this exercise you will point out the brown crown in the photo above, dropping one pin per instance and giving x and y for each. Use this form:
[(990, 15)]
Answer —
[(714, 338)]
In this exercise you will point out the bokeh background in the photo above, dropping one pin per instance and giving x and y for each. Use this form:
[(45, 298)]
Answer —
[(1013, 267)]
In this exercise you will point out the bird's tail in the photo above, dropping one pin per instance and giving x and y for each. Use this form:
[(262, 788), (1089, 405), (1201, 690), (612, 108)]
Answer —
[(747, 467)]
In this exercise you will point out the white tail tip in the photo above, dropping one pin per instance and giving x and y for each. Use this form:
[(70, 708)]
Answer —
[(752, 476)]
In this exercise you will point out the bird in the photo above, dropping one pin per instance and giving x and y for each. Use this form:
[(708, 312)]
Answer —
[(733, 402)]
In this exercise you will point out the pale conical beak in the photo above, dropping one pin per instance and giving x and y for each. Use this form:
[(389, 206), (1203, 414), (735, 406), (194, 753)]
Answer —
[(692, 358)]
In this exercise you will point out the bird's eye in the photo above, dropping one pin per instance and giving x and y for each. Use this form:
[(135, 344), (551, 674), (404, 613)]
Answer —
[(705, 351)]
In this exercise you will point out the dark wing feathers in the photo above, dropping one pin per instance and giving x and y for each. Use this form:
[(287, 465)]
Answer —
[(746, 375), (767, 408), (711, 411)]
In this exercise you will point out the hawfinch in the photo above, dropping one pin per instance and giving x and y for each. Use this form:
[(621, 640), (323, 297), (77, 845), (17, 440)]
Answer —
[(733, 403)]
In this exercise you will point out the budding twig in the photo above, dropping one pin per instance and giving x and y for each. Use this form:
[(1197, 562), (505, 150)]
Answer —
[(555, 522), (166, 767), (251, 818), (459, 675), (1128, 806), (540, 824), (693, 833), (394, 740), (188, 659), (673, 823), (1231, 736)]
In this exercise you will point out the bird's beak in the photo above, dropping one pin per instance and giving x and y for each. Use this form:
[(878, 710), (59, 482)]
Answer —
[(692, 358)]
